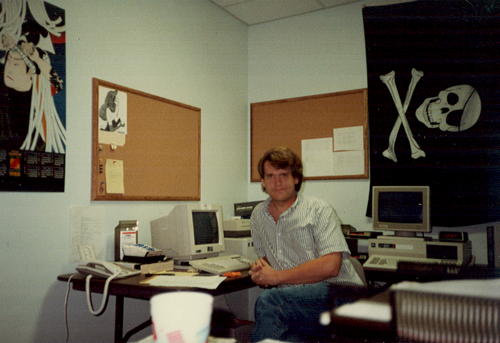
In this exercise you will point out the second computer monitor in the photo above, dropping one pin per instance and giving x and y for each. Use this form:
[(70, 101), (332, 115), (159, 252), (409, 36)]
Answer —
[(402, 209)]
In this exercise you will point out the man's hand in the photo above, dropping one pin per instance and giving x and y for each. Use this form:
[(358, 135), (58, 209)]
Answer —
[(263, 274), (313, 271)]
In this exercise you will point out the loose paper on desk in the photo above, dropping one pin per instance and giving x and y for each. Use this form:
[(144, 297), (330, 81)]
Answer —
[(208, 282), (114, 176), (87, 228), (150, 339), (366, 310)]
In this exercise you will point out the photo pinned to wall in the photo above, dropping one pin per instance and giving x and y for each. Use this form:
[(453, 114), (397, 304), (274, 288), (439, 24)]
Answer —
[(32, 96), (112, 116)]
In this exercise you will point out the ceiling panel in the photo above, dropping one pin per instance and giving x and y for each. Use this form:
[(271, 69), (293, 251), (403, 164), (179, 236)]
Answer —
[(253, 12)]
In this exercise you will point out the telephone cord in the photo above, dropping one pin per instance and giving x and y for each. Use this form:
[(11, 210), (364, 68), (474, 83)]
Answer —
[(104, 294), (66, 307)]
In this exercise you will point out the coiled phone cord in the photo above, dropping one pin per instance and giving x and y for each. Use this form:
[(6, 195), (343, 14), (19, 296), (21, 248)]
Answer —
[(104, 294)]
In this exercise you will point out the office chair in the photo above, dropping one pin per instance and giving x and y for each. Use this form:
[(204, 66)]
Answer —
[(359, 269)]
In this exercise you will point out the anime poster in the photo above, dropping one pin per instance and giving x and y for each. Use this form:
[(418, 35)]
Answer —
[(32, 96), (112, 110), (434, 104)]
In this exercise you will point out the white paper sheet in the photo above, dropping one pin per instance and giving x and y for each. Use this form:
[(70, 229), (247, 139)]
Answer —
[(348, 163), (366, 310), (208, 282), (87, 228), (317, 157), (348, 138)]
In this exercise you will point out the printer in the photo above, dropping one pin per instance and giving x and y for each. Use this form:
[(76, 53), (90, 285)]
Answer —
[(238, 238)]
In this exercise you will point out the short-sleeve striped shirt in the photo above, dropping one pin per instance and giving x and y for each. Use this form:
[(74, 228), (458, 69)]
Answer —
[(309, 229)]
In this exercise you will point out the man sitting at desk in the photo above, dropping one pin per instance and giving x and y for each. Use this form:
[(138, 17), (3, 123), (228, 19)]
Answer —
[(301, 250)]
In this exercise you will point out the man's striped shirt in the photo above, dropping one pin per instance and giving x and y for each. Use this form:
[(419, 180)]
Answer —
[(309, 229)]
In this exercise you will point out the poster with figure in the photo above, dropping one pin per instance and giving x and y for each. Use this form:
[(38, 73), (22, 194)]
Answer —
[(434, 104), (112, 110), (32, 96)]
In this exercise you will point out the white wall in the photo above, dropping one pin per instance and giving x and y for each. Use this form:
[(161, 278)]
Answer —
[(316, 53), (187, 51), (191, 52)]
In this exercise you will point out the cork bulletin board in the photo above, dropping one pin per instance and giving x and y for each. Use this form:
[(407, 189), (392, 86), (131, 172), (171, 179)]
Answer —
[(319, 122), (144, 147)]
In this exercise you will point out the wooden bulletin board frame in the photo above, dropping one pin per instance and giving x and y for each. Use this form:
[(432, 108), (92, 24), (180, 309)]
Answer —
[(160, 149), (289, 121)]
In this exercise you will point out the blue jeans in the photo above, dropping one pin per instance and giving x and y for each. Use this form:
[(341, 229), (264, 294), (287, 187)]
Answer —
[(291, 314)]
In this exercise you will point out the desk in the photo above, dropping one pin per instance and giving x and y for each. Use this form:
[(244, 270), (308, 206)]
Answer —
[(408, 271), (132, 288), (352, 330)]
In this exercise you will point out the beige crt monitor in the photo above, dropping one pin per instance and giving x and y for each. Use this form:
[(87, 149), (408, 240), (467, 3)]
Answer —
[(405, 210), (189, 232)]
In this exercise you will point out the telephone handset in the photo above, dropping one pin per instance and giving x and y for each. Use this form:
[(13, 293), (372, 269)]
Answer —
[(98, 268)]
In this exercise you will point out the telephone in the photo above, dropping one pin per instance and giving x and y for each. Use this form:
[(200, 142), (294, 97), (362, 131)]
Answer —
[(98, 268), (102, 269)]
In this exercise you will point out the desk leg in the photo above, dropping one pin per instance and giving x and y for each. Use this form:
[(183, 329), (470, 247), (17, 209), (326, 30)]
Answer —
[(119, 318)]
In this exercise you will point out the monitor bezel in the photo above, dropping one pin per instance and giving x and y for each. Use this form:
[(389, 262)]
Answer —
[(406, 229)]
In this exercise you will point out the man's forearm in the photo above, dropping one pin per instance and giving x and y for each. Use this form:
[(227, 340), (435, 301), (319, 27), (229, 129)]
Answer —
[(312, 271)]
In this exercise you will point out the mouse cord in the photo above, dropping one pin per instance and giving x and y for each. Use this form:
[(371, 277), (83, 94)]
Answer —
[(104, 294)]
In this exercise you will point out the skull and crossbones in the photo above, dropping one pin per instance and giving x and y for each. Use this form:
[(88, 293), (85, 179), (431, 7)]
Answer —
[(433, 112)]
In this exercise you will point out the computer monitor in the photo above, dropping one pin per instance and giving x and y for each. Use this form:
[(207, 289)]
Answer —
[(402, 209), (189, 232)]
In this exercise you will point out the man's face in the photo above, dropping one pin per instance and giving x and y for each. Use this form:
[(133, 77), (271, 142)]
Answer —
[(279, 183), (15, 74)]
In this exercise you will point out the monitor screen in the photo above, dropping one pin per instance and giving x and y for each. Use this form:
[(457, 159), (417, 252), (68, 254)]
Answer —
[(401, 209), (206, 227)]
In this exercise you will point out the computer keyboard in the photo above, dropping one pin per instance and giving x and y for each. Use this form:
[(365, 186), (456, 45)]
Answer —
[(127, 269), (222, 264), (390, 263)]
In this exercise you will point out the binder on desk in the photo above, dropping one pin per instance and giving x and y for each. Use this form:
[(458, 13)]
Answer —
[(448, 311)]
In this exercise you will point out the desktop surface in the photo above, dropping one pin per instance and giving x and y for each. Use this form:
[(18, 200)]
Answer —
[(132, 287), (425, 272)]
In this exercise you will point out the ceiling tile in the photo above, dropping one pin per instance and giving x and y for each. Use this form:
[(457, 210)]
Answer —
[(259, 11), (225, 3), (333, 3)]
